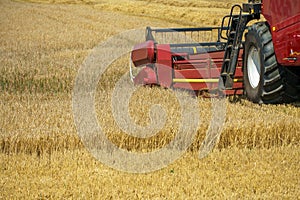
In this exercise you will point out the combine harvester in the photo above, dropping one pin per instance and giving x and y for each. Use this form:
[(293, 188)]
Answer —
[(261, 61)]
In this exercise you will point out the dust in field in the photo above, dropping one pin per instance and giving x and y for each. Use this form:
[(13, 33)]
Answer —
[(42, 46)]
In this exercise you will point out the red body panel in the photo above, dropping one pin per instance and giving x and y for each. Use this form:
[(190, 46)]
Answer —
[(164, 65), (146, 76), (283, 17), (143, 53)]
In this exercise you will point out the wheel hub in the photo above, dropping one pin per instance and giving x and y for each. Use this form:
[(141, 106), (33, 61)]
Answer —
[(253, 64)]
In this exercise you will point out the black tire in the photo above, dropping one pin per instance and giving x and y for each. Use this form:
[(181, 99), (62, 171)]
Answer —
[(265, 81)]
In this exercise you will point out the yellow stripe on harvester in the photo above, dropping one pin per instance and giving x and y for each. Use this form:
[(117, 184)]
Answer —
[(195, 50), (176, 80)]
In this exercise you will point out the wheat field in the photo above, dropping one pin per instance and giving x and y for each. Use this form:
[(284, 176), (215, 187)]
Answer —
[(43, 43)]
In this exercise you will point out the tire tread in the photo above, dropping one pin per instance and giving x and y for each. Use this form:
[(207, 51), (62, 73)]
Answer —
[(276, 85)]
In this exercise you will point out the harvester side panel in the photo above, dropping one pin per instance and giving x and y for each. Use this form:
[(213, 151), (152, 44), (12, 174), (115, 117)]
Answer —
[(202, 71), (280, 10), (164, 65), (283, 16)]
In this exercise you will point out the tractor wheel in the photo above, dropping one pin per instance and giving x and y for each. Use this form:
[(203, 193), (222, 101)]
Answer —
[(265, 81)]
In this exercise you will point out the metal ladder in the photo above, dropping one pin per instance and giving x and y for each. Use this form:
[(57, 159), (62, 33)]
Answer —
[(234, 35)]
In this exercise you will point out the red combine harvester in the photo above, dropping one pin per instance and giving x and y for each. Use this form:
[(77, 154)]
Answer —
[(261, 61)]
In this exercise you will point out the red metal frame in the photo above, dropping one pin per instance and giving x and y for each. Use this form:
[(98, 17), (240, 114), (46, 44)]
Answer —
[(283, 17), (165, 69)]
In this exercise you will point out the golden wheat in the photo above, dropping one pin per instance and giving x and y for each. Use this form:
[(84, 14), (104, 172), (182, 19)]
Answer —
[(42, 46), (37, 79), (233, 173)]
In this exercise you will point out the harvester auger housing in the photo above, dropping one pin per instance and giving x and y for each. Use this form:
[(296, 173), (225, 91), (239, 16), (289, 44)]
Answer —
[(261, 61)]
